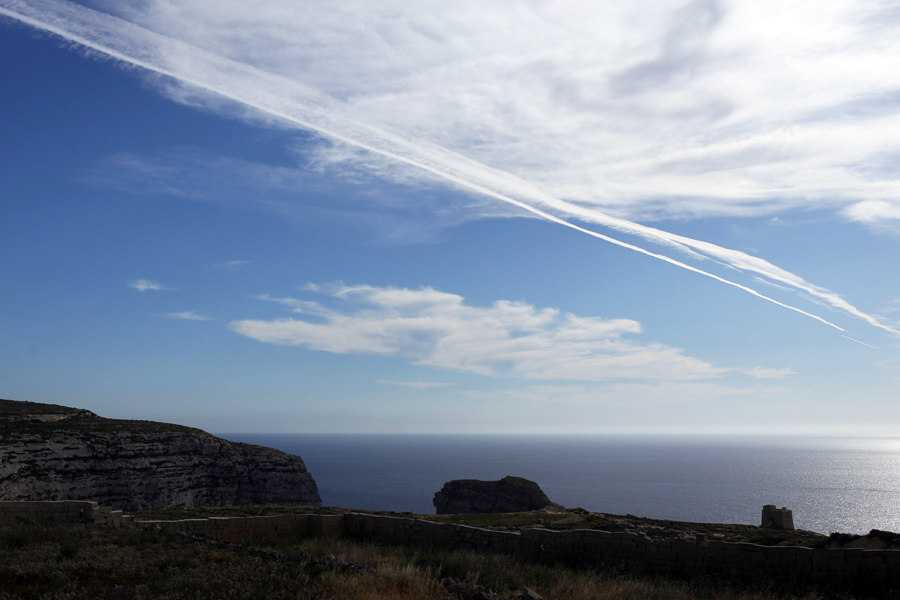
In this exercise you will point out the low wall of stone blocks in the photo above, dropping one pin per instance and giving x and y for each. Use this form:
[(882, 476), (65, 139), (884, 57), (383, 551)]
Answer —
[(790, 565), (242, 529), (62, 511), (232, 529)]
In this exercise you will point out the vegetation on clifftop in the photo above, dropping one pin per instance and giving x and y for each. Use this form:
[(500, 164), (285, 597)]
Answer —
[(75, 562), (560, 520), (24, 418)]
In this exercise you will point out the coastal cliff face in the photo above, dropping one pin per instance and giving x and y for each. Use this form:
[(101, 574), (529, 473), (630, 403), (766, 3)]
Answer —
[(50, 452)]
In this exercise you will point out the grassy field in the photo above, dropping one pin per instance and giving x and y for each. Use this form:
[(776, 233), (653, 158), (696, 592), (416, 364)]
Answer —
[(75, 562)]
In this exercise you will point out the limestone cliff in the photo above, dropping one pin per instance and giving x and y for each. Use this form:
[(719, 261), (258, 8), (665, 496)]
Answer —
[(50, 452)]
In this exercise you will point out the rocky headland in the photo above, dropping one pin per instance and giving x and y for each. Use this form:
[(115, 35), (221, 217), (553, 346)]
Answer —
[(51, 452)]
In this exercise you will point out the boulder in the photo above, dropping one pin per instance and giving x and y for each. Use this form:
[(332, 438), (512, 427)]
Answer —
[(510, 494)]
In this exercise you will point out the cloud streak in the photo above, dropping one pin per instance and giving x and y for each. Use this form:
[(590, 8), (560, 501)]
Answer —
[(760, 373), (362, 120), (232, 264), (188, 315), (396, 213), (146, 285), (417, 385)]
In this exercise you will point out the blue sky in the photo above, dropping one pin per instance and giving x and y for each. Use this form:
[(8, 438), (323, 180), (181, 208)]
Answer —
[(677, 217)]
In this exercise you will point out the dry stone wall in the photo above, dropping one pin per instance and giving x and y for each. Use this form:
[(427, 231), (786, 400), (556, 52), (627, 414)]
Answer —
[(839, 568), (790, 565), (232, 529), (242, 529), (62, 511)]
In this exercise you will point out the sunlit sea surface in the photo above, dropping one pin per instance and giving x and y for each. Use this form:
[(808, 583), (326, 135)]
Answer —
[(850, 485)]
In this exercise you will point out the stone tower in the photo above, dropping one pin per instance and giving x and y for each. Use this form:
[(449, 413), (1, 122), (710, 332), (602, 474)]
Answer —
[(777, 518)]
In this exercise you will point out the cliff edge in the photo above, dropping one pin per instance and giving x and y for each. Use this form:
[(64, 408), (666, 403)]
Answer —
[(50, 452)]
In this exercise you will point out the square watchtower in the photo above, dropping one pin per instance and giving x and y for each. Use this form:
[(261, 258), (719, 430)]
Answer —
[(777, 518)]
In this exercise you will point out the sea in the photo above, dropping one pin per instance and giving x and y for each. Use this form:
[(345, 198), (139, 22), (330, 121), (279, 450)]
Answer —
[(848, 485)]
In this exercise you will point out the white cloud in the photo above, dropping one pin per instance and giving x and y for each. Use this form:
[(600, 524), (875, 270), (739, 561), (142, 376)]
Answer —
[(591, 112), (875, 212), (640, 109), (145, 285), (762, 373), (232, 264), (418, 385), (439, 329), (188, 315)]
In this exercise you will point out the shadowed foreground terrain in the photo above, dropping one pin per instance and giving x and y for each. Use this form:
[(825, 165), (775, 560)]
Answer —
[(74, 562), (54, 452), (78, 561)]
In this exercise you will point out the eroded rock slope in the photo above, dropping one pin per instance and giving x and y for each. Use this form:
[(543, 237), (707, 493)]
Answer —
[(50, 452)]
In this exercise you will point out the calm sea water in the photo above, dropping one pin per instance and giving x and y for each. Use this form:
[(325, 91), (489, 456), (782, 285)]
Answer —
[(831, 484)]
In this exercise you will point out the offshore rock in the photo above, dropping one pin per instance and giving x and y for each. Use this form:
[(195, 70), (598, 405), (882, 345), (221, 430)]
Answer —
[(50, 452), (510, 494)]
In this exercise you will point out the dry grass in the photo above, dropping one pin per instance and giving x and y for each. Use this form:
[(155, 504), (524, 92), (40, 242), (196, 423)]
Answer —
[(505, 575), (404, 582), (75, 562)]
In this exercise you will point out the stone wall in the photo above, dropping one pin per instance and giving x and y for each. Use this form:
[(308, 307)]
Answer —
[(242, 529), (789, 565), (232, 529), (62, 511), (839, 568)]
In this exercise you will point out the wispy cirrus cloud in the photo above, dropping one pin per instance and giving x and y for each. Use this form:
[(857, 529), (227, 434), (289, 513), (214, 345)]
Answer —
[(592, 113), (230, 265), (417, 385), (188, 315), (761, 373), (439, 329), (674, 107), (396, 215), (147, 285)]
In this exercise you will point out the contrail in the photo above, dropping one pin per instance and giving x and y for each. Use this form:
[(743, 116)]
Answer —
[(307, 108), (859, 342)]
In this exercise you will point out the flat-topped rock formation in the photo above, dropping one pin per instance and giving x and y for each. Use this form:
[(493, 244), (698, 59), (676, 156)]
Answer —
[(50, 452), (510, 494)]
